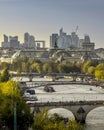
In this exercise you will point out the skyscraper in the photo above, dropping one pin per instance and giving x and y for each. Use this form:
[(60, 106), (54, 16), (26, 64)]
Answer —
[(5, 39), (26, 39), (86, 44), (87, 39), (64, 40), (53, 39), (29, 40), (5, 43), (74, 40), (13, 41)]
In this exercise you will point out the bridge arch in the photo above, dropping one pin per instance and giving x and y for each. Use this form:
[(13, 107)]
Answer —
[(95, 113), (80, 109), (62, 112)]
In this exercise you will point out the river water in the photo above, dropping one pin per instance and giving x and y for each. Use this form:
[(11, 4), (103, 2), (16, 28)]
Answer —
[(74, 92)]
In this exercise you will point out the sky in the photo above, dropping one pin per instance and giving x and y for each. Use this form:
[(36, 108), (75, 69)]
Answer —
[(41, 18)]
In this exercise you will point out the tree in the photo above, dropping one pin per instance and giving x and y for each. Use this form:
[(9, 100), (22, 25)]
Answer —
[(99, 74), (36, 67), (54, 122), (10, 95), (4, 77), (49, 67), (91, 70), (86, 66)]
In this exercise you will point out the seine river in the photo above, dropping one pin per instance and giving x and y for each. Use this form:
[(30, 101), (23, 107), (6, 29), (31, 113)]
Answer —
[(74, 92)]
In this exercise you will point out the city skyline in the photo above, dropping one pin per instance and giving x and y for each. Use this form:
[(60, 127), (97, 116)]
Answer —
[(41, 18)]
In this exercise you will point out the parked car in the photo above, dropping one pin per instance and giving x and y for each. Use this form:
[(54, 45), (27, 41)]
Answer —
[(31, 91), (29, 97)]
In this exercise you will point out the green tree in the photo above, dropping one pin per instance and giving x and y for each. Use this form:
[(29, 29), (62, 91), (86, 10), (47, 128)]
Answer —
[(49, 67), (55, 122), (4, 77), (10, 95), (99, 74), (100, 66), (91, 70), (86, 66), (99, 71)]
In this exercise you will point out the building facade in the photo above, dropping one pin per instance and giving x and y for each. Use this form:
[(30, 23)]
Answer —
[(64, 41), (29, 40), (53, 39), (86, 44)]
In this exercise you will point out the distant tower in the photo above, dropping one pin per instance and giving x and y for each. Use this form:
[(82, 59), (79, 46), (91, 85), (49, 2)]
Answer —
[(14, 43), (87, 39), (53, 39), (5, 39), (74, 40), (86, 44), (26, 38), (61, 32), (29, 40)]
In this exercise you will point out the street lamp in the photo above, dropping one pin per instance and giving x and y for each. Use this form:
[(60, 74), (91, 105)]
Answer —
[(15, 117)]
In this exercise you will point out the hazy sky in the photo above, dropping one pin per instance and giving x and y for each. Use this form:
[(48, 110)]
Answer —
[(41, 18)]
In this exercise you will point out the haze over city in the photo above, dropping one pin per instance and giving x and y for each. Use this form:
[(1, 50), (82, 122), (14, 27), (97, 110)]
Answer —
[(41, 18)]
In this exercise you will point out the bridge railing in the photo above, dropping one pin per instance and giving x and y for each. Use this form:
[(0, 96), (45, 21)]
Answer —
[(72, 103)]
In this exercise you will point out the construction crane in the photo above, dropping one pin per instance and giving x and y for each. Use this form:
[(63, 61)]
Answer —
[(76, 29)]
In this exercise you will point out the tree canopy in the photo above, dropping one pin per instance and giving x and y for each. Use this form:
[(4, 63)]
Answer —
[(10, 94)]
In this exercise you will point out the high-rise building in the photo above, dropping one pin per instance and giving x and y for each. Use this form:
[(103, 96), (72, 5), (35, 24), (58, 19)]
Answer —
[(13, 41), (53, 39), (29, 40), (64, 40), (87, 39), (86, 44), (5, 43), (26, 39), (5, 39), (74, 40)]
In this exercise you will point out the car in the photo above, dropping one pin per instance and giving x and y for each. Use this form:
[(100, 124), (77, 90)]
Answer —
[(31, 91), (29, 97)]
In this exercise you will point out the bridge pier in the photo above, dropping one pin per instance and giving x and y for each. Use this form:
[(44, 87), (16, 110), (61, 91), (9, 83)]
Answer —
[(83, 120), (79, 109), (30, 77), (80, 115)]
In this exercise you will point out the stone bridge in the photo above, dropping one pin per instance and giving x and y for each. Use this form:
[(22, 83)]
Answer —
[(56, 76), (79, 109)]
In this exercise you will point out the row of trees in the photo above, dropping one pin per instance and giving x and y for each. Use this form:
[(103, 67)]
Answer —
[(94, 68), (25, 64)]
